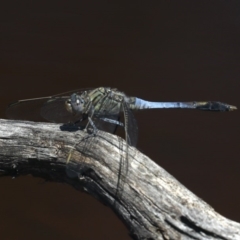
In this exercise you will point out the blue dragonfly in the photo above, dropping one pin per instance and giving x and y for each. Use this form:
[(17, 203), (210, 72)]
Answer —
[(100, 109)]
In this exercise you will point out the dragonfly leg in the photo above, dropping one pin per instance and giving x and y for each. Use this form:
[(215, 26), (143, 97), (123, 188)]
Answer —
[(94, 128), (116, 122)]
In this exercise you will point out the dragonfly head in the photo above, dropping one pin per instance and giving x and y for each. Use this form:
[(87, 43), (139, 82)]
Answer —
[(75, 104)]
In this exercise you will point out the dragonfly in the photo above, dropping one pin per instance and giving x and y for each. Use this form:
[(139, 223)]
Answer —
[(103, 109)]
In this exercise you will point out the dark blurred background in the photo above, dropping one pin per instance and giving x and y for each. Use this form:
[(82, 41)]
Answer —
[(156, 50)]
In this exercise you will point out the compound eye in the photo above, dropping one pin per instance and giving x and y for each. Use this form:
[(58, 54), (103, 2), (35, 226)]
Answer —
[(68, 105), (77, 101)]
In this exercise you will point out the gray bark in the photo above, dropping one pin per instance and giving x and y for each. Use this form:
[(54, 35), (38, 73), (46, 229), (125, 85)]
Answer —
[(151, 203)]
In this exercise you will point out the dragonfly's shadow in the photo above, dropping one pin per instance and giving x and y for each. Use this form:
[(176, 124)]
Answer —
[(70, 127)]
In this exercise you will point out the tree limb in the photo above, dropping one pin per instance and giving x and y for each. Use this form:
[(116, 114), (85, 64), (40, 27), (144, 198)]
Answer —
[(152, 204)]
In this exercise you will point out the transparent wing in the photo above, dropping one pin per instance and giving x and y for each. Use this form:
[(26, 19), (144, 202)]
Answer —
[(131, 134), (104, 122), (131, 128), (50, 108), (26, 109), (54, 111), (130, 123)]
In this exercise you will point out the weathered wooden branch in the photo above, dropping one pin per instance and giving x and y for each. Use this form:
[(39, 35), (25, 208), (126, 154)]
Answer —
[(153, 204)]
